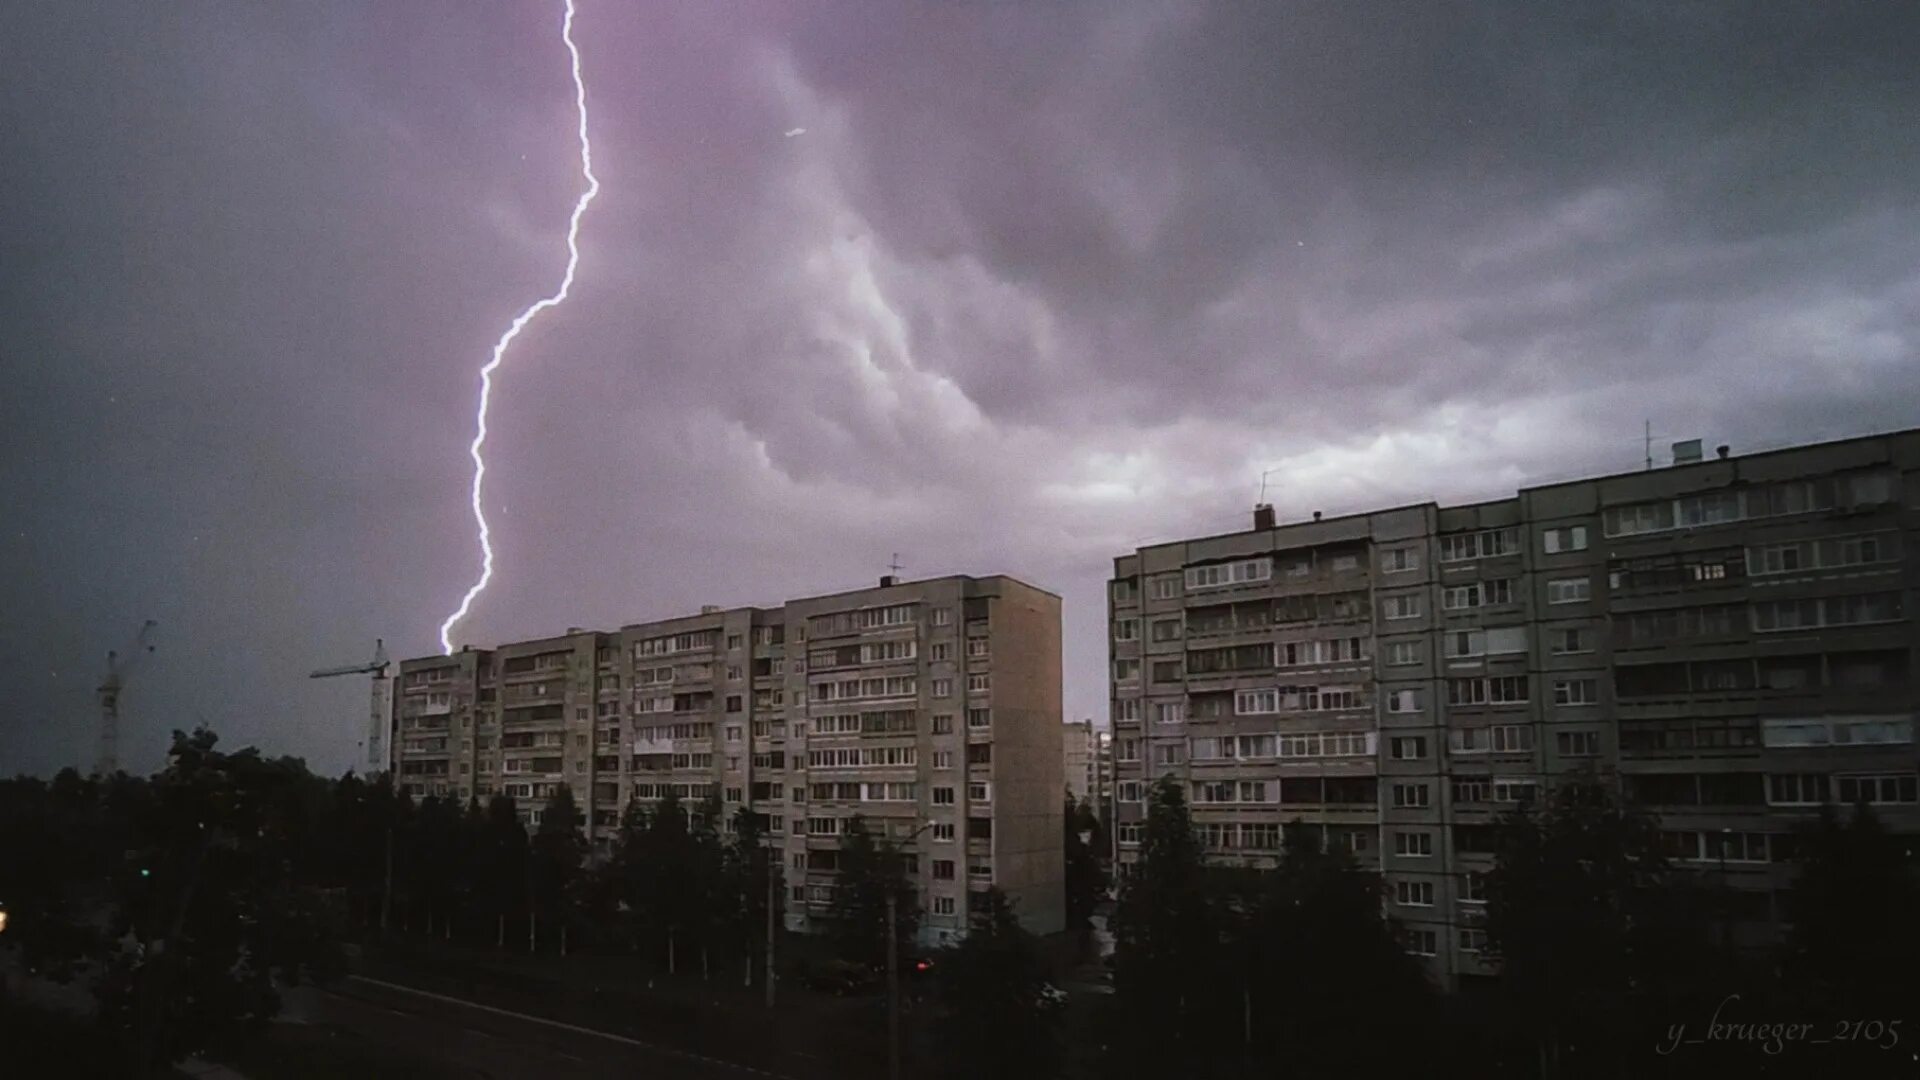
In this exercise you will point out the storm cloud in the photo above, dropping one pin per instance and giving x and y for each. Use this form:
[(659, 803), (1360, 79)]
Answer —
[(1038, 281)]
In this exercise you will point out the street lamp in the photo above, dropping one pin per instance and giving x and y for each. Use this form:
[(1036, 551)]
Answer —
[(893, 970)]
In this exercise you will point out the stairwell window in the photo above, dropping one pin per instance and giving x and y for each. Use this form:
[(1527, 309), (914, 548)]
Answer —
[(1404, 606), (1569, 590)]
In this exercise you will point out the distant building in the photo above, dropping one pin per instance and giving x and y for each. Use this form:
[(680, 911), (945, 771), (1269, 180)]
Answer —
[(1087, 750), (929, 702), (1728, 642)]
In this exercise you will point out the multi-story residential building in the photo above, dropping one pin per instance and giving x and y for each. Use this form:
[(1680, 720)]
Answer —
[(930, 707), (1728, 642), (1088, 752)]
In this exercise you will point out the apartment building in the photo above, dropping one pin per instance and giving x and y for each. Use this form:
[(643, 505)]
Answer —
[(1729, 642), (932, 708), (1087, 750)]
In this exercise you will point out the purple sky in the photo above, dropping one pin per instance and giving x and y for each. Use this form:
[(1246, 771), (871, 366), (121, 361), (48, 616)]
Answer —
[(1040, 281)]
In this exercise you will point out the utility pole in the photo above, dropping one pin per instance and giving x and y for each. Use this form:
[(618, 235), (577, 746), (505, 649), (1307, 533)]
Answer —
[(769, 974), (386, 888), (893, 988), (893, 969)]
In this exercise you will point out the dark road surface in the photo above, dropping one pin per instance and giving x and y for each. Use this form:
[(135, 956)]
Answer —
[(486, 1043)]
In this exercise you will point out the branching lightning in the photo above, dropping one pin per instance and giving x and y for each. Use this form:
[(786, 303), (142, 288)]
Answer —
[(519, 324)]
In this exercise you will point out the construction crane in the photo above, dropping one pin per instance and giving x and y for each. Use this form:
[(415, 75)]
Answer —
[(108, 762), (381, 711)]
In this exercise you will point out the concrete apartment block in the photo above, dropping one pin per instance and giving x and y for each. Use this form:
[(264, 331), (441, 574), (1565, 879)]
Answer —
[(1728, 642), (931, 708)]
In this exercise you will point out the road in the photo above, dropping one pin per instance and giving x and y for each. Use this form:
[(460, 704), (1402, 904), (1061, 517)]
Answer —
[(483, 1042)]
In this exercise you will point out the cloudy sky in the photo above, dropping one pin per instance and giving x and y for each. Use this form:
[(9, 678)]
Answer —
[(1040, 281)]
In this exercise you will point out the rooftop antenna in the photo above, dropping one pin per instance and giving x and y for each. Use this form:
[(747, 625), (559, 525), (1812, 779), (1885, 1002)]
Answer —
[(1649, 446), (1264, 473), (894, 567)]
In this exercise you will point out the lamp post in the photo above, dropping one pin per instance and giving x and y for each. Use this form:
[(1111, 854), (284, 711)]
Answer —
[(893, 969)]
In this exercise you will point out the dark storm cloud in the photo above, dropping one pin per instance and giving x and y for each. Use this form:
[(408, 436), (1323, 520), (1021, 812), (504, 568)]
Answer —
[(1037, 282)]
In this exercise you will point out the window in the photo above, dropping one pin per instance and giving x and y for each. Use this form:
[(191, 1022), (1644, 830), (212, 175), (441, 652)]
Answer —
[(1477, 594), (1863, 608), (1569, 590), (1126, 629), (1124, 590), (942, 795), (1126, 670), (1413, 893), (1473, 886), (979, 719), (1400, 560), (942, 724), (1423, 942), (1565, 538), (1404, 606), (1472, 939), (1577, 743), (1576, 691), (1128, 832), (1404, 701), (1164, 586), (1256, 702), (1169, 712), (1402, 653), (979, 791), (1567, 641), (1408, 796), (942, 616), (979, 682), (1796, 789), (1129, 791), (942, 688), (1166, 630), (1126, 710), (1234, 573), (1875, 790), (1414, 845), (1408, 747)]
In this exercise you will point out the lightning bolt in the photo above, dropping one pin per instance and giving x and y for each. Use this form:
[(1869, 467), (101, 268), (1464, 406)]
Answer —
[(520, 323)]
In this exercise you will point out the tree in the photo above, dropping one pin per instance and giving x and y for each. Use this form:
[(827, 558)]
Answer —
[(1854, 944), (998, 1016), (1570, 903), (502, 890), (1086, 883), (871, 871), (1318, 964), (754, 879), (1168, 948), (214, 908), (53, 840), (558, 850)]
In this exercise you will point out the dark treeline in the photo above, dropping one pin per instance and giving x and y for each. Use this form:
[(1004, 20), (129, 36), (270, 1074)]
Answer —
[(183, 899), (1604, 948)]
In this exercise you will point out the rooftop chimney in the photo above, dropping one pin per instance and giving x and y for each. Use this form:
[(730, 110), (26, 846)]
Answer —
[(888, 581), (1687, 452), (1723, 450), (1263, 516), (1316, 515)]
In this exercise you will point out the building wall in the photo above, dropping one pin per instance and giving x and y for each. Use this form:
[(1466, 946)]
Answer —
[(1028, 830), (1505, 646), (728, 704)]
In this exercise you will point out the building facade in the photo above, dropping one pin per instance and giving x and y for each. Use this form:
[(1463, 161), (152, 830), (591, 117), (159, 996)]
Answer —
[(931, 708), (1087, 750), (1727, 642)]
